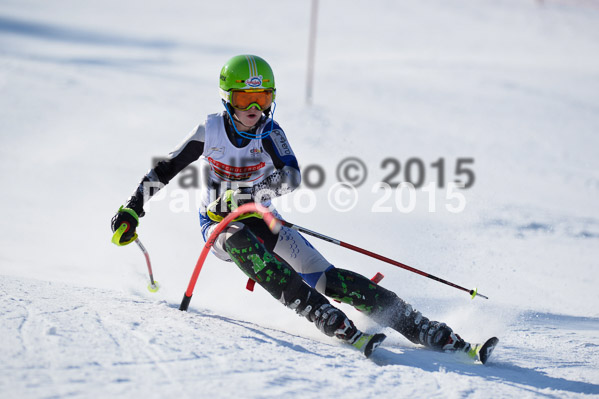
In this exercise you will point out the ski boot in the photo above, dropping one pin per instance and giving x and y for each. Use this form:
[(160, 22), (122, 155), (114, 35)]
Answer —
[(386, 308), (480, 352), (333, 322)]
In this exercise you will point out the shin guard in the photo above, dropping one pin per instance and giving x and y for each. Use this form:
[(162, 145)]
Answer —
[(385, 307), (286, 285)]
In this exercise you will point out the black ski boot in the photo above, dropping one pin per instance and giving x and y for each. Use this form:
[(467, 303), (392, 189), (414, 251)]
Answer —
[(332, 321), (387, 309)]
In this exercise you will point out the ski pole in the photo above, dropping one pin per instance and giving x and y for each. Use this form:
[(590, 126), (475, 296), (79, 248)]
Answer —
[(116, 239), (153, 286), (300, 229)]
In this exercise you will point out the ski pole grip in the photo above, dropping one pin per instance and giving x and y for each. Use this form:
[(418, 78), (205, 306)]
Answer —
[(271, 221), (116, 237)]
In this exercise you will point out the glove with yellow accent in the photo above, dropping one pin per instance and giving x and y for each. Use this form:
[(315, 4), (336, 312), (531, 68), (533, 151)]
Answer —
[(228, 202), (123, 225)]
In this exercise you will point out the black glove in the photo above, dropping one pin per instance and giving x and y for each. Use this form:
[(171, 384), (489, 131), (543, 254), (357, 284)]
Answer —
[(128, 217)]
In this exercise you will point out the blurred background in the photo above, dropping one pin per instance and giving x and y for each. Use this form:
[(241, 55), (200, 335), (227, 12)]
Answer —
[(92, 91)]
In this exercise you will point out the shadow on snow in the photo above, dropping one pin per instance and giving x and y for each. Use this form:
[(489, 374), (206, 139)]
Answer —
[(78, 36), (430, 361)]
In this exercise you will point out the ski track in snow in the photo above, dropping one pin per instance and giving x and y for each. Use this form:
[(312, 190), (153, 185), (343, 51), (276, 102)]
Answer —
[(62, 340)]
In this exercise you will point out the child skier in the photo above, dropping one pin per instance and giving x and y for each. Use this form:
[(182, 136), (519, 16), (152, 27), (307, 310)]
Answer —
[(243, 144)]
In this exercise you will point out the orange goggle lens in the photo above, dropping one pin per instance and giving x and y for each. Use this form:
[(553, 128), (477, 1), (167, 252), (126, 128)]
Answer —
[(243, 100)]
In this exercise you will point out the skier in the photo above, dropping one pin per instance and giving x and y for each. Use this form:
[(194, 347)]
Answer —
[(245, 156)]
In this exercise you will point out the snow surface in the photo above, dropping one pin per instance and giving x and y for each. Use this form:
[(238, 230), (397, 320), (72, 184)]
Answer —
[(92, 91)]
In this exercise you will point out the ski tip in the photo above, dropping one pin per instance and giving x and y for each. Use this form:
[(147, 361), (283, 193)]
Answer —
[(487, 349), (375, 341)]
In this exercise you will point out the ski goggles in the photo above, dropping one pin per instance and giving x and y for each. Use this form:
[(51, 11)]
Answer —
[(245, 99)]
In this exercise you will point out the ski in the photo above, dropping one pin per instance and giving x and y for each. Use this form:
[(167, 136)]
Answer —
[(367, 343), (482, 352)]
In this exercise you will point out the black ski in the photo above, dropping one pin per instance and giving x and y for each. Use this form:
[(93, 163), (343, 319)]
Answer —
[(367, 343), (482, 352)]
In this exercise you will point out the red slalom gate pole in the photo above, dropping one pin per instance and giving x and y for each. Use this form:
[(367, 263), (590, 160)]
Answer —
[(273, 224), (473, 292)]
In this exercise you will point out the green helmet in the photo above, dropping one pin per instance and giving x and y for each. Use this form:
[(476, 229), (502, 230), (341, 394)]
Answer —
[(245, 72)]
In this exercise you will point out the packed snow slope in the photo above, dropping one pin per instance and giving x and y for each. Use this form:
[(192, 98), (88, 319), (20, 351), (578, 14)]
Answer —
[(503, 95)]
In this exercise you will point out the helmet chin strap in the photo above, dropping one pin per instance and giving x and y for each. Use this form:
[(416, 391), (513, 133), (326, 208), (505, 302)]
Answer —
[(250, 135), (235, 117)]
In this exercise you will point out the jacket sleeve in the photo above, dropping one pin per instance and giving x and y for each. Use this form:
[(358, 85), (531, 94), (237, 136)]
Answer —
[(187, 152), (286, 177)]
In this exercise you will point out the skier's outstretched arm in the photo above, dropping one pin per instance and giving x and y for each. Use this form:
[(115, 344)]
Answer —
[(156, 178)]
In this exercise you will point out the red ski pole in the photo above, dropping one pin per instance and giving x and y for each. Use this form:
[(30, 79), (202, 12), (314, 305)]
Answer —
[(153, 286), (116, 239), (473, 292)]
